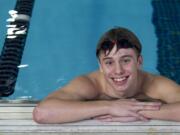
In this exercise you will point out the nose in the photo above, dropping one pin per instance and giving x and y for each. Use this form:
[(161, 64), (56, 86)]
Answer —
[(119, 69)]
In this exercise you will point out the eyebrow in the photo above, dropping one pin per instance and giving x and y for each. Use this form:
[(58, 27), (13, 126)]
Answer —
[(124, 56), (106, 58)]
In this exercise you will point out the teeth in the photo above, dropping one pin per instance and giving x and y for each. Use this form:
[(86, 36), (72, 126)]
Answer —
[(119, 79)]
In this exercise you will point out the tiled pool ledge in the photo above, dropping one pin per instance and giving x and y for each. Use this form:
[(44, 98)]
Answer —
[(16, 119)]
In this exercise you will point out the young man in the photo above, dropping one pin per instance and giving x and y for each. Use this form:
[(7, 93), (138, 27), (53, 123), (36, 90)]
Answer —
[(119, 91)]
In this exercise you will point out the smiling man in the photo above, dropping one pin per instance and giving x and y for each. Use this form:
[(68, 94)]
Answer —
[(119, 91)]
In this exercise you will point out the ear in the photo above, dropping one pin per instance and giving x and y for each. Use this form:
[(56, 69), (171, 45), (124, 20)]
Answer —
[(140, 61)]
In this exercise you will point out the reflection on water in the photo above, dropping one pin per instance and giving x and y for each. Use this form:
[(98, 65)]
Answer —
[(20, 100)]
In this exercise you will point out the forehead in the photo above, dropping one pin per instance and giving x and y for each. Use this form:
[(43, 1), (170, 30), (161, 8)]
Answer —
[(122, 52)]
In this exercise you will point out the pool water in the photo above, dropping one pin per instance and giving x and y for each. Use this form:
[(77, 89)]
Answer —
[(62, 39)]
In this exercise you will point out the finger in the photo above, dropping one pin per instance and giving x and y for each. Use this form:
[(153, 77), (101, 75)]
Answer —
[(149, 103), (145, 107), (138, 116)]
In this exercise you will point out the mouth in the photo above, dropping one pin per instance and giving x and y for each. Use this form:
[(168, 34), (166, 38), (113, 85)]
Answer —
[(119, 81)]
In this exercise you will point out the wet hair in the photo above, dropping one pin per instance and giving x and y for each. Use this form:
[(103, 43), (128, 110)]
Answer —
[(121, 37)]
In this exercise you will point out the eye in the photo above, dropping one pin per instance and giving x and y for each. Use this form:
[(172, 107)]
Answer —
[(126, 61), (108, 62)]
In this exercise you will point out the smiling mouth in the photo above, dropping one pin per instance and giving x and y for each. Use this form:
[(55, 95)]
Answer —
[(120, 80)]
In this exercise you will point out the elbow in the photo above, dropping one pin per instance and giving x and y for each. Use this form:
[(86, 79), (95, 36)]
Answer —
[(39, 115)]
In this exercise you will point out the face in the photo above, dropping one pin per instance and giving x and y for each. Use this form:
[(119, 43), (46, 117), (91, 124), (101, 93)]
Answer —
[(120, 69)]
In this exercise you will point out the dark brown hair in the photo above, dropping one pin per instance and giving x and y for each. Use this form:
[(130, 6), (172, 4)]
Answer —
[(121, 37)]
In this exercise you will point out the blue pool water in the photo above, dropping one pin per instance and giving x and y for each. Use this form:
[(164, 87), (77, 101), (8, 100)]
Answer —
[(62, 39)]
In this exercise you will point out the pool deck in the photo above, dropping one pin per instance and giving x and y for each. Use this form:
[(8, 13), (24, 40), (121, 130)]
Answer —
[(16, 119)]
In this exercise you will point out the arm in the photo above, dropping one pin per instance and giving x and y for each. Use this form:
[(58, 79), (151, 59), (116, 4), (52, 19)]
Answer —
[(68, 104), (59, 111), (77, 101), (169, 92), (168, 112)]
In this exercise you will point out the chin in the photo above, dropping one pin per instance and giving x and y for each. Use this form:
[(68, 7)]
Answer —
[(121, 87), (121, 94), (124, 92), (124, 89)]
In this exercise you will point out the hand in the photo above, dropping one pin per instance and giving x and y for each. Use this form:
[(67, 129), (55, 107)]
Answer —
[(109, 118), (126, 110)]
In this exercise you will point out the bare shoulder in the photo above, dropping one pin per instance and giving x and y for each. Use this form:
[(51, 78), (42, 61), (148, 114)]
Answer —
[(164, 89), (83, 87)]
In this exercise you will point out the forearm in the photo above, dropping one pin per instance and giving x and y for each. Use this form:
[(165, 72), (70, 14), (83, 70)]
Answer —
[(167, 112), (59, 111)]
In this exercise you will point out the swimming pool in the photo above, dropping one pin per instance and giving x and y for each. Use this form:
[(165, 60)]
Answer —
[(62, 39)]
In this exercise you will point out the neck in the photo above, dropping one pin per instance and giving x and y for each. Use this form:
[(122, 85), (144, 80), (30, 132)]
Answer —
[(139, 85)]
